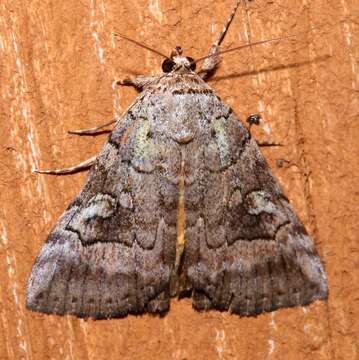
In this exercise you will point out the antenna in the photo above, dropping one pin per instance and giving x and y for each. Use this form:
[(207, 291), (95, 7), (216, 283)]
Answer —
[(140, 44), (245, 46)]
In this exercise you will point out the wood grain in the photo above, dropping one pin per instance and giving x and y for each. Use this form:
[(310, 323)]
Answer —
[(58, 61)]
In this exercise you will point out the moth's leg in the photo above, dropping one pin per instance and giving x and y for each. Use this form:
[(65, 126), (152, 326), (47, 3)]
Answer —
[(93, 130), (281, 162), (210, 64), (268, 143), (138, 82), (79, 167), (255, 120)]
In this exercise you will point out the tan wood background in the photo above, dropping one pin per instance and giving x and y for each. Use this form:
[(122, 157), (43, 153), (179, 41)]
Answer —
[(58, 61)]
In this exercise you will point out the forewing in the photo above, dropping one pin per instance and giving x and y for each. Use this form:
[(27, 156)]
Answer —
[(111, 253), (246, 251)]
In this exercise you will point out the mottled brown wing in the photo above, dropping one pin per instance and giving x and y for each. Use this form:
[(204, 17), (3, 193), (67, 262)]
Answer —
[(112, 251), (246, 250)]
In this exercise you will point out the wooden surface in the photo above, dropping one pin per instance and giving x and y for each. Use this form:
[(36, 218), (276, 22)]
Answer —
[(58, 61)]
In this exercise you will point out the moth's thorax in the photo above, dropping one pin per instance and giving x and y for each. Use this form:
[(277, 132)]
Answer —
[(182, 64), (177, 82)]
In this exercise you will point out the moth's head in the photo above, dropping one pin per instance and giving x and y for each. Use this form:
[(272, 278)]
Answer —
[(177, 62)]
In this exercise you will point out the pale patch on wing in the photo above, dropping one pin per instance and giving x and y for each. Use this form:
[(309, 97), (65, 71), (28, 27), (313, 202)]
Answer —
[(260, 202), (222, 142), (101, 205)]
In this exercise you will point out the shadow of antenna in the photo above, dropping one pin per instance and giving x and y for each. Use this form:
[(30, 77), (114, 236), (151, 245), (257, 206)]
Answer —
[(270, 69)]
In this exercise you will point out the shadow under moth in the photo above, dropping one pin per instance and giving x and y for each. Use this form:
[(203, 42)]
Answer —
[(179, 202)]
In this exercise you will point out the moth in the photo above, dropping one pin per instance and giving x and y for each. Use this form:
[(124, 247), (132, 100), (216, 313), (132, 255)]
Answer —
[(179, 202)]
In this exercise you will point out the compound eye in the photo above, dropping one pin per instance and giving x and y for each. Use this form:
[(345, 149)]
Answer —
[(192, 63), (167, 65)]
